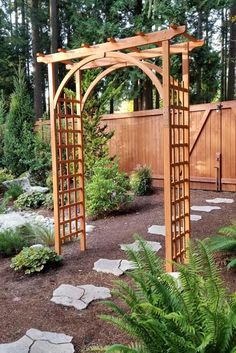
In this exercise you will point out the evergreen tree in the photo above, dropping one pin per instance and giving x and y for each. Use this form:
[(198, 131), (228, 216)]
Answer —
[(18, 140)]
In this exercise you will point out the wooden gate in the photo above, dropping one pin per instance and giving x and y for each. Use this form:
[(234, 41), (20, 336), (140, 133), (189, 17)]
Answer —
[(213, 146)]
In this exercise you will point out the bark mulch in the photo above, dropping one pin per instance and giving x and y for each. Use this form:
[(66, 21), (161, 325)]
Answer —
[(25, 301)]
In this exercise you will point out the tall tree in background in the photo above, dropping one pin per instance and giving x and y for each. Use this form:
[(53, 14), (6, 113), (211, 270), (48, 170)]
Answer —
[(54, 32), (37, 68), (232, 54)]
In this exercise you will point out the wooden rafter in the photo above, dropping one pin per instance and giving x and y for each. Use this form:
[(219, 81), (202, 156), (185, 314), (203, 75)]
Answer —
[(178, 48), (119, 44)]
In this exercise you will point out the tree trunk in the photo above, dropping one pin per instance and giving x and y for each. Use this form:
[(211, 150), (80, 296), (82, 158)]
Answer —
[(232, 54), (37, 69), (199, 36), (54, 33)]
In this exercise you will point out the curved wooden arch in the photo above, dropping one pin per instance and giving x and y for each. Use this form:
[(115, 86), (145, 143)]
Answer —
[(126, 57), (111, 69)]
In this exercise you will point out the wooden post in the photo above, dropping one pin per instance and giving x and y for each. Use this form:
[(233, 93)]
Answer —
[(185, 74), (52, 91), (81, 177), (167, 153)]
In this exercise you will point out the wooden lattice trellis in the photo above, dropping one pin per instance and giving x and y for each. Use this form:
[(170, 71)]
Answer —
[(67, 129)]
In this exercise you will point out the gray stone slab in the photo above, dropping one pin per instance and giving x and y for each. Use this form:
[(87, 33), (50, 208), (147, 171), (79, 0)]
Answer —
[(36, 341), (195, 217), (115, 267), (205, 208), (25, 184), (154, 245), (20, 346), (157, 230), (89, 228), (47, 347), (220, 200), (79, 297), (52, 337)]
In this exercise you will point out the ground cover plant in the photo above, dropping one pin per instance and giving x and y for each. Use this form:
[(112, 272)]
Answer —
[(141, 180), (40, 233), (30, 200), (225, 242), (12, 241), (160, 314), (35, 259)]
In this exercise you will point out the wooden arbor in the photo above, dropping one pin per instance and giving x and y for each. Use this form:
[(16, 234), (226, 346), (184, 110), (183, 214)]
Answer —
[(67, 129)]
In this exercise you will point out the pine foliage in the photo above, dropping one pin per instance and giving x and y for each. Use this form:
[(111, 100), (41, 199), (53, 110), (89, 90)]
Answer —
[(19, 125), (160, 314)]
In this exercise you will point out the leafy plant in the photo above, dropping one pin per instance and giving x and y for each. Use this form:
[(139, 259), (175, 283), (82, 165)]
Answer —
[(141, 180), (35, 259), (40, 165), (5, 175), (225, 241), (49, 182), (12, 242), (30, 200), (40, 233), (107, 189), (13, 192), (160, 314), (48, 203)]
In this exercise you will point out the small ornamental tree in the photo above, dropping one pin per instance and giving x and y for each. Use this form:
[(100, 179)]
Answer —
[(18, 139)]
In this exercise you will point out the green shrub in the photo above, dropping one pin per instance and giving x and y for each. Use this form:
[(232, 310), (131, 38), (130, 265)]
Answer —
[(19, 136), (141, 181), (30, 200), (225, 241), (35, 259), (107, 189), (194, 314), (12, 242), (48, 203), (49, 182), (5, 175), (13, 192), (40, 165)]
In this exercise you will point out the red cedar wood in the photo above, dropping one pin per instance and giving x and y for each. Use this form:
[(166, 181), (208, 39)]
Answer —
[(175, 247)]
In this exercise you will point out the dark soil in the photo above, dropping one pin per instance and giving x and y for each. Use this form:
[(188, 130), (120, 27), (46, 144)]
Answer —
[(25, 301)]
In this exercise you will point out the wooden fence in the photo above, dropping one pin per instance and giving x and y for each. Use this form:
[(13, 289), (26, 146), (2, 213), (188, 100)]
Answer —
[(138, 140)]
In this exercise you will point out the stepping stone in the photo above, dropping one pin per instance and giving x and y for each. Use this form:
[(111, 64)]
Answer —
[(36, 341), (79, 297), (205, 208), (195, 217), (157, 230), (220, 200), (116, 267), (175, 276), (89, 228), (155, 246)]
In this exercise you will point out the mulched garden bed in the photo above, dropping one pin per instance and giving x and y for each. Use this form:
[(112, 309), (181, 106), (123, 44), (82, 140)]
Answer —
[(25, 301)]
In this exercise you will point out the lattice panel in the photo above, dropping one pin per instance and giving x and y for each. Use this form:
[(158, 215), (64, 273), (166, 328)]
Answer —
[(69, 147), (180, 178)]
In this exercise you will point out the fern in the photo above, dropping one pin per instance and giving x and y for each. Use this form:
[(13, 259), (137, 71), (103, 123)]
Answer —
[(161, 315), (226, 241)]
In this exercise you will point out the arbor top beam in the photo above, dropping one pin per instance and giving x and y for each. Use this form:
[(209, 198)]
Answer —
[(141, 55), (139, 40)]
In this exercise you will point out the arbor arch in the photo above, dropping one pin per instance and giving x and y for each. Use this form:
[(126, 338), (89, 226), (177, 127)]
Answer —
[(67, 130)]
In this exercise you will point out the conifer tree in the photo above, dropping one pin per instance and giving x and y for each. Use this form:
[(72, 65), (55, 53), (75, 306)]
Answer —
[(18, 139)]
